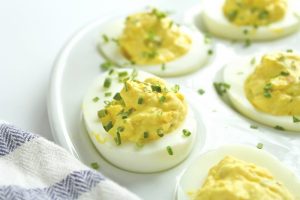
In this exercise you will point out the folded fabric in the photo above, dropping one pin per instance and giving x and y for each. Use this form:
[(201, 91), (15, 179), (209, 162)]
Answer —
[(33, 168)]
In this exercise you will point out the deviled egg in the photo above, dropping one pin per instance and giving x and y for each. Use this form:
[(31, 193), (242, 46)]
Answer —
[(137, 121), (267, 88), (237, 172), (253, 20), (155, 43)]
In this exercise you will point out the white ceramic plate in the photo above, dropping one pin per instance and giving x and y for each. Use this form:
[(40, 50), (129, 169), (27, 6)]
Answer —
[(77, 66)]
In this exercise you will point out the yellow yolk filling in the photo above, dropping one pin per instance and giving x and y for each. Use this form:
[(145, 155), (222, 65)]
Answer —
[(254, 12), (274, 86), (238, 180), (145, 111), (152, 38)]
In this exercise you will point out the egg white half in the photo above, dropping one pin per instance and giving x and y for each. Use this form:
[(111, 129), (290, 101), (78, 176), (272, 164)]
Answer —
[(195, 58), (219, 25), (153, 156), (194, 176), (235, 74)]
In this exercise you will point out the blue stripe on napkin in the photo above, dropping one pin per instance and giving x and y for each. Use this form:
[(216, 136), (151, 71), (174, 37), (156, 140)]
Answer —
[(11, 138), (71, 187)]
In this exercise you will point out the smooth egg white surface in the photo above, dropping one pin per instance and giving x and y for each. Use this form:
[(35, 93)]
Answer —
[(217, 24), (194, 176), (153, 156), (195, 58), (235, 74)]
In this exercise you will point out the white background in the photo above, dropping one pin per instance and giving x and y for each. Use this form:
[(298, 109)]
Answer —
[(32, 33)]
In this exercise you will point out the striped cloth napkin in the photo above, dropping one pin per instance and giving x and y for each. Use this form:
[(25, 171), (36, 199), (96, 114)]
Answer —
[(33, 168)]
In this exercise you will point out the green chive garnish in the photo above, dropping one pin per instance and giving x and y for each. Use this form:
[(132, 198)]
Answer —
[(295, 119), (146, 134), (221, 88), (107, 83), (160, 132), (156, 88), (186, 132), (280, 128), (108, 126), (253, 126), (253, 61), (247, 43), (260, 145), (107, 94), (284, 73), (176, 88), (268, 90), (106, 65), (95, 99), (289, 50), (163, 67), (140, 100), (201, 91), (102, 113), (169, 150), (105, 38), (210, 52), (162, 99), (117, 96), (118, 139), (122, 74), (95, 165)]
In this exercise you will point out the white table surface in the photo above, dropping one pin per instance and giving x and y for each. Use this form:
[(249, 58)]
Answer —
[(31, 35)]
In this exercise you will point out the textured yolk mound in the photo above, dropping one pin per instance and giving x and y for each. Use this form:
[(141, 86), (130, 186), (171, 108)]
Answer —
[(145, 111), (238, 180), (153, 38), (254, 12), (274, 86)]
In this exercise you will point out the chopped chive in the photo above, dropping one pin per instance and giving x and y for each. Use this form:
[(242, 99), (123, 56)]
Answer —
[(117, 96), (95, 99), (105, 38), (107, 83), (118, 139), (122, 74), (107, 102), (176, 88), (268, 90), (126, 114), (146, 134), (263, 14), (95, 165), (210, 52), (106, 65), (247, 43), (284, 73), (253, 126), (115, 41), (107, 94), (162, 99), (245, 31), (158, 14), (186, 132), (207, 39), (108, 126), (280, 128), (253, 61), (102, 113), (232, 15), (201, 91), (289, 50), (126, 86), (260, 145), (134, 74), (295, 119), (221, 88), (156, 88), (120, 129), (163, 67), (169, 150), (140, 100), (160, 132), (111, 71), (171, 24)]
